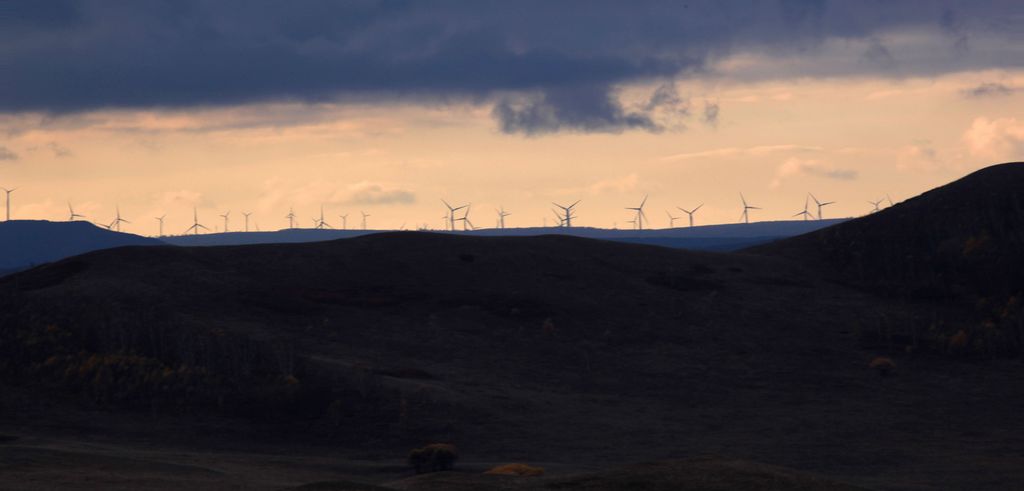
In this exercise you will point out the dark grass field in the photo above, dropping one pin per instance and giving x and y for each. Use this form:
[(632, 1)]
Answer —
[(275, 366)]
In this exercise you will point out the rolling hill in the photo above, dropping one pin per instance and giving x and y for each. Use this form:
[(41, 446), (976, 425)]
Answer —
[(25, 243), (563, 351), (959, 245), (720, 237)]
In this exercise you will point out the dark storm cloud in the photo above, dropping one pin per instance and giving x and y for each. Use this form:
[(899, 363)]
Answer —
[(590, 109), (547, 66)]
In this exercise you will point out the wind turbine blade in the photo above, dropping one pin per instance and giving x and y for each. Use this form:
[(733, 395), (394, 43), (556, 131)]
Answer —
[(697, 208)]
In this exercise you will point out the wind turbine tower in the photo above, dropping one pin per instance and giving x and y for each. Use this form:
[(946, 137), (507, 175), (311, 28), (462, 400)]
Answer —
[(671, 219), (321, 223), (161, 220), (225, 217), (9, 191), (466, 224), (690, 212), (246, 215), (501, 217), (568, 211), (820, 205), (118, 220), (806, 214), (875, 204), (451, 214), (291, 218), (746, 208), (365, 216), (195, 223), (640, 215), (72, 215), (344, 221)]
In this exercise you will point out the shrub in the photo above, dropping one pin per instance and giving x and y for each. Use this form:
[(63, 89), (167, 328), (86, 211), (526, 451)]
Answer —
[(958, 342), (884, 366), (434, 458), (516, 469)]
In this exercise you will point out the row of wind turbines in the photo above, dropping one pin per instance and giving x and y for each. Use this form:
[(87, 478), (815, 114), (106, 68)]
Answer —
[(319, 223), (564, 215)]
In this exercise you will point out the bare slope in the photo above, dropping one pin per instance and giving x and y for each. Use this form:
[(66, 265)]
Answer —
[(960, 245)]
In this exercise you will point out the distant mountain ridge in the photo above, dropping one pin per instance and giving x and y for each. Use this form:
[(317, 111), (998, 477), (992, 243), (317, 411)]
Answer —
[(25, 243), (719, 237)]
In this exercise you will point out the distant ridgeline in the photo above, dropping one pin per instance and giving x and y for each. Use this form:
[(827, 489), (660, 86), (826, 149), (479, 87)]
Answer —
[(26, 243)]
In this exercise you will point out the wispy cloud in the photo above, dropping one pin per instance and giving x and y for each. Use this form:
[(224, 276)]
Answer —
[(370, 193), (809, 167), (741, 151), (616, 185)]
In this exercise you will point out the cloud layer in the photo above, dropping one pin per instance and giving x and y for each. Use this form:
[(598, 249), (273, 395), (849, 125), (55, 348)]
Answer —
[(545, 66)]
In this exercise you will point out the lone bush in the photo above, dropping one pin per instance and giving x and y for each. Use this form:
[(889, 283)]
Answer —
[(435, 457), (516, 469), (884, 366)]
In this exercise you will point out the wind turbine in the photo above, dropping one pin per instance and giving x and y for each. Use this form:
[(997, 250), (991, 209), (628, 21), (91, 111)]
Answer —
[(466, 224), (321, 223), (640, 215), (72, 216), (887, 198), (691, 212), (225, 217), (195, 223), (344, 221), (451, 213), (875, 204), (567, 222), (820, 205), (806, 214), (159, 219), (116, 224), (365, 215), (291, 218), (501, 217), (746, 216), (9, 191), (246, 215), (561, 220), (671, 219)]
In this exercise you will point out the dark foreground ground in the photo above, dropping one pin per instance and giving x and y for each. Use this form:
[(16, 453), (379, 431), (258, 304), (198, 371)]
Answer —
[(278, 366)]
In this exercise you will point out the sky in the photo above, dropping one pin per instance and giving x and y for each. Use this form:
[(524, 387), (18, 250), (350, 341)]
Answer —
[(387, 107)]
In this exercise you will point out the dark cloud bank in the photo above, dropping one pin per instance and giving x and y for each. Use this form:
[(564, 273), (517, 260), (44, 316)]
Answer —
[(546, 66)]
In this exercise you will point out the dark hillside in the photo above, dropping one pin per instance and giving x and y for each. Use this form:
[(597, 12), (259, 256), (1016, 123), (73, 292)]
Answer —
[(533, 348), (961, 244)]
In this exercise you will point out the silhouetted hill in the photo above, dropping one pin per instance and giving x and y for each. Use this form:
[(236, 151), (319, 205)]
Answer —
[(961, 244), (720, 237), (24, 243), (548, 349)]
